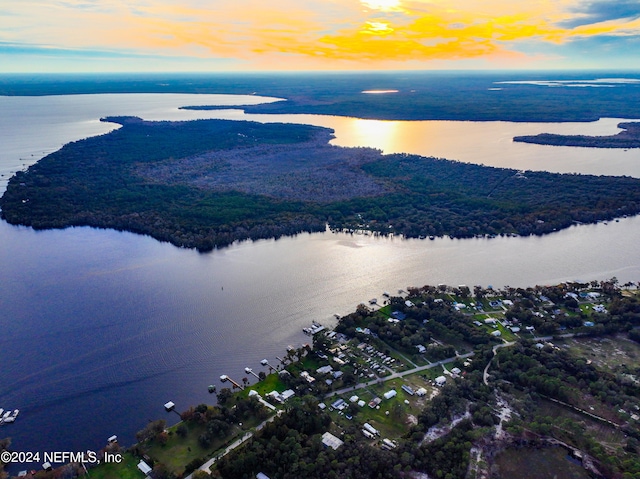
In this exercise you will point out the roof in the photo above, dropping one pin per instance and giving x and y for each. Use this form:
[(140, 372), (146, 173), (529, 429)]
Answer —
[(331, 441), (390, 394), (144, 467), (261, 475)]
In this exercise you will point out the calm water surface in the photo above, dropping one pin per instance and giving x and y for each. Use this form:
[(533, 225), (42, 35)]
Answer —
[(100, 328)]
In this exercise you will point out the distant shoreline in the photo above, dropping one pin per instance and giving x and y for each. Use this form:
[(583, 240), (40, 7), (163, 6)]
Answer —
[(433, 95), (628, 138)]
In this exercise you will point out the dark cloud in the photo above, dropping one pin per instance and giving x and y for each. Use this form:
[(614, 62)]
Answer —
[(596, 11)]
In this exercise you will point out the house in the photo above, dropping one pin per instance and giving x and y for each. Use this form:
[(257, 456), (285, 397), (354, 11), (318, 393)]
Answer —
[(421, 392), (456, 371), (440, 381), (307, 376), (340, 404), (261, 475), (354, 399), (324, 369), (409, 304), (421, 349), (144, 467), (331, 441), (287, 394), (496, 334), (390, 394)]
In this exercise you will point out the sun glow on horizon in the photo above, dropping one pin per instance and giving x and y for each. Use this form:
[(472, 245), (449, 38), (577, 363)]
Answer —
[(319, 34)]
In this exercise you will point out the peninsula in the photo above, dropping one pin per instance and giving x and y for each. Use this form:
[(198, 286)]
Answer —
[(628, 138), (207, 183)]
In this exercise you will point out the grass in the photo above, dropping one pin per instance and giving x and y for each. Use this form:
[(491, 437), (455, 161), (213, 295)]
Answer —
[(179, 451), (271, 383), (127, 469), (389, 425), (612, 354), (545, 463)]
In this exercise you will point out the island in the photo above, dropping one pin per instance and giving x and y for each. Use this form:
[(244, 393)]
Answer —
[(441, 381), (205, 184), (628, 138)]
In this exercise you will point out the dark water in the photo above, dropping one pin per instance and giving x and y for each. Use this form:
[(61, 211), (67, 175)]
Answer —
[(98, 329)]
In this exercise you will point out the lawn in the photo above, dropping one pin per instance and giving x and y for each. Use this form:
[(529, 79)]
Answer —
[(179, 451), (127, 469)]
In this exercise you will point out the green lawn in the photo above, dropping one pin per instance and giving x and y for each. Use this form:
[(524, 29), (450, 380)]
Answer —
[(179, 451), (127, 469), (271, 383)]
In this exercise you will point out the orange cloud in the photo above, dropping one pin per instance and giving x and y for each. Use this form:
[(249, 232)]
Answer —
[(316, 33)]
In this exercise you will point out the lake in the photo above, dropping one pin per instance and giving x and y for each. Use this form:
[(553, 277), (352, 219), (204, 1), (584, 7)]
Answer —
[(101, 328)]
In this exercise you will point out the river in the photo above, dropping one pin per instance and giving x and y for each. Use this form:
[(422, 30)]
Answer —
[(100, 328)]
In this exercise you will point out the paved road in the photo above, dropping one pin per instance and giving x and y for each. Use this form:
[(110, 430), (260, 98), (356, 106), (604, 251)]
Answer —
[(396, 375), (238, 442)]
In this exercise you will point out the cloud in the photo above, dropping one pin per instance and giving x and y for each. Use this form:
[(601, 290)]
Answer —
[(598, 11), (323, 34)]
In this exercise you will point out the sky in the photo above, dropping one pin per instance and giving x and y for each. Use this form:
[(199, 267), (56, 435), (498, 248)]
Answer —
[(308, 35)]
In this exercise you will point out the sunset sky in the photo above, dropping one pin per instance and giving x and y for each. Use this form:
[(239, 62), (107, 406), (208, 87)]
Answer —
[(241, 35)]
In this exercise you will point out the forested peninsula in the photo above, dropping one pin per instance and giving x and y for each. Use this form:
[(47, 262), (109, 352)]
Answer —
[(628, 138), (204, 184)]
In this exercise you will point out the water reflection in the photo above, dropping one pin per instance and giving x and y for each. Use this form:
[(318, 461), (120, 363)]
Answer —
[(385, 132)]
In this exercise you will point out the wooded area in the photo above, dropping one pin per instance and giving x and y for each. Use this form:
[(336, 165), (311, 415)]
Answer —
[(204, 184)]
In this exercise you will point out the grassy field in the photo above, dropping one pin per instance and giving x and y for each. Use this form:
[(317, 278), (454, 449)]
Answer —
[(546, 463), (400, 415), (178, 451), (127, 469), (608, 353)]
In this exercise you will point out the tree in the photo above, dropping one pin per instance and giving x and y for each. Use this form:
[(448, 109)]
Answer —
[(262, 376), (224, 395), (182, 430), (199, 474), (151, 430), (160, 471)]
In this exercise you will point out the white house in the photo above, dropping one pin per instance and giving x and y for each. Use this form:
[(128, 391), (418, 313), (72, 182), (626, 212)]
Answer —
[(390, 394)]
